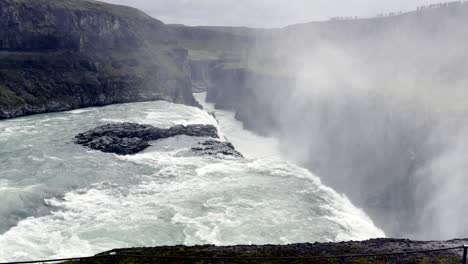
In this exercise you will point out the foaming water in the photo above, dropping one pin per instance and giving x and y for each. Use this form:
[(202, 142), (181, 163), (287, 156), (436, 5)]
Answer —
[(58, 199), (247, 142)]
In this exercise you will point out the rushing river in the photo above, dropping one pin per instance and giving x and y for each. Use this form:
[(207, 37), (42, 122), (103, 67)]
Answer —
[(58, 199)]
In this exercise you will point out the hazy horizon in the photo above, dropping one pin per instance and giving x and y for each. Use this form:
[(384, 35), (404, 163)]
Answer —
[(264, 14)]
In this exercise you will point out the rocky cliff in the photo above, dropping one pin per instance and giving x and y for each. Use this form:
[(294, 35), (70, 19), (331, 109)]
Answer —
[(59, 55)]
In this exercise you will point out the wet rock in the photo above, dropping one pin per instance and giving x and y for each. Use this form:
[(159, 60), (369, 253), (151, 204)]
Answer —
[(214, 147), (317, 252), (121, 146), (131, 138)]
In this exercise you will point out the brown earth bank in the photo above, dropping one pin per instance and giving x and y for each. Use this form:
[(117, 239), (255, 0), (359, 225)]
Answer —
[(294, 253)]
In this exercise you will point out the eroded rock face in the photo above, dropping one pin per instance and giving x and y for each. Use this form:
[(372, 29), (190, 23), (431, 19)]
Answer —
[(131, 138), (58, 55)]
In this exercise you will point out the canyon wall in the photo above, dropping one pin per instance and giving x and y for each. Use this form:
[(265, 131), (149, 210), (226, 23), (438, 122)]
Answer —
[(61, 55)]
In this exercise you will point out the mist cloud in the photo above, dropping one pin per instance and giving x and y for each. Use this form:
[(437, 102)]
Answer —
[(376, 109)]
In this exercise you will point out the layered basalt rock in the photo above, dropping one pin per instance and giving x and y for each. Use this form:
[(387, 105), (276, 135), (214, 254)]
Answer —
[(57, 55)]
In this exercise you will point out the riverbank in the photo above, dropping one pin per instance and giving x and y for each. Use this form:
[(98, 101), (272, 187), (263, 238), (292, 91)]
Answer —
[(295, 253)]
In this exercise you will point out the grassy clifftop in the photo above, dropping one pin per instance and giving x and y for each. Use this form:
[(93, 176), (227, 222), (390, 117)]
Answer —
[(84, 5)]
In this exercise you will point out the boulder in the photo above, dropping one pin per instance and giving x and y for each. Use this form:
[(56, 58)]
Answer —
[(215, 147), (131, 138)]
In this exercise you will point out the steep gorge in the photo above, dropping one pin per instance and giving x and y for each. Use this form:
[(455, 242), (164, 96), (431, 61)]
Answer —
[(371, 105), (376, 107)]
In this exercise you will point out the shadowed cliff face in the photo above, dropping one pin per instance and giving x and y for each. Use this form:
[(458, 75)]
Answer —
[(375, 107), (59, 55), (70, 25)]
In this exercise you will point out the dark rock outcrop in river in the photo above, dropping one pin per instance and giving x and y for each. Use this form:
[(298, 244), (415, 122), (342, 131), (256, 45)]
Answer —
[(58, 55), (215, 147), (131, 138)]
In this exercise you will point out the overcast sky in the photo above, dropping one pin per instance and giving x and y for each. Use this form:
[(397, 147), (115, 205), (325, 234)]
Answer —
[(264, 13)]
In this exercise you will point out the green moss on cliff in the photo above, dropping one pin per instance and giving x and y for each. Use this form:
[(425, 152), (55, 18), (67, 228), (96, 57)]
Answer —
[(58, 55), (8, 97)]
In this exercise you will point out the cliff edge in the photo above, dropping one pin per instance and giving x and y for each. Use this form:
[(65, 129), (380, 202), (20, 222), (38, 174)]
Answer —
[(58, 55)]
